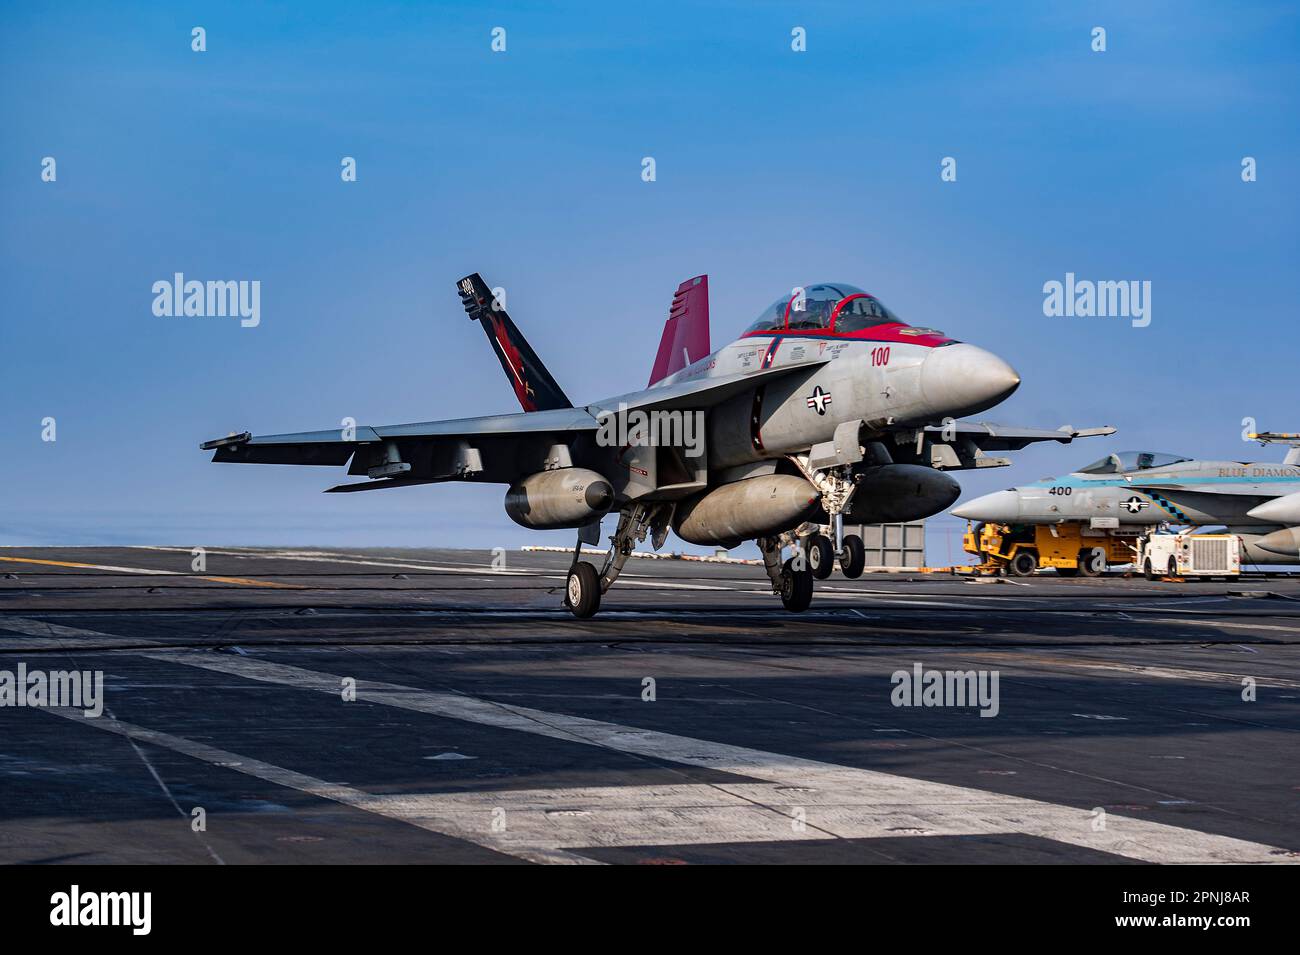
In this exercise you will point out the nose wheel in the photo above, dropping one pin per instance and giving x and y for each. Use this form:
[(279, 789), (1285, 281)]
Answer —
[(853, 556), (821, 556)]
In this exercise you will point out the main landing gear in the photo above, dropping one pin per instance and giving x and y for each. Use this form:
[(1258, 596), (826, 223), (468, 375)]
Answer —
[(792, 580), (586, 585), (582, 591)]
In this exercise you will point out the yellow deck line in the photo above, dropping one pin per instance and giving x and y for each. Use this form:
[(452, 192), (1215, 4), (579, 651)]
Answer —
[(244, 581), (253, 583)]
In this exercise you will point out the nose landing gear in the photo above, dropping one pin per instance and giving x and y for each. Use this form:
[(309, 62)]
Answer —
[(853, 557), (820, 555)]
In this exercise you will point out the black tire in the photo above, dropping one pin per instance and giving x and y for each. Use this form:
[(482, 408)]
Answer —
[(820, 556), (853, 557), (1067, 572), (1147, 570), (1172, 569), (582, 590), (1023, 564), (1092, 562), (796, 587)]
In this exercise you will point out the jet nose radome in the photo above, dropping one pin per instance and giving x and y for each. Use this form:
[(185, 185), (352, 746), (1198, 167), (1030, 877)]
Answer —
[(1280, 510), (962, 379), (1284, 543), (1000, 507)]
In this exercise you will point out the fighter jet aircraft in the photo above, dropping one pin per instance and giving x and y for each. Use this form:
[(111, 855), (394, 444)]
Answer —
[(1257, 501), (828, 407)]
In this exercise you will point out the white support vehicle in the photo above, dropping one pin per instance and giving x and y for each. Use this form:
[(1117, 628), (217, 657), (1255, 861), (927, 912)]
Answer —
[(1189, 555)]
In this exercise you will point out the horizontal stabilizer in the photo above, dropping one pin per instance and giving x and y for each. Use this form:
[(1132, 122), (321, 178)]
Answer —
[(377, 485)]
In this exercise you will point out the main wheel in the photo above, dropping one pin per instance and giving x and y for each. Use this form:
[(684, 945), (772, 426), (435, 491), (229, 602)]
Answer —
[(1147, 570), (1023, 564), (796, 587), (821, 556), (582, 593), (1092, 562), (1172, 569), (853, 556)]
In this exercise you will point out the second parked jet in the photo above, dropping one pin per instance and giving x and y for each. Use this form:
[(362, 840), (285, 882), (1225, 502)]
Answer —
[(1257, 501)]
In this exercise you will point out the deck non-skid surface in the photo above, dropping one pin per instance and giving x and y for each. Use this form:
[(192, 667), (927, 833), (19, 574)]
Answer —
[(352, 706)]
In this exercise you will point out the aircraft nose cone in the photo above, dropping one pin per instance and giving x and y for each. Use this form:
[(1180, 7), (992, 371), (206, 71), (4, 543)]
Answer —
[(963, 379), (1000, 507), (1284, 543), (1280, 510)]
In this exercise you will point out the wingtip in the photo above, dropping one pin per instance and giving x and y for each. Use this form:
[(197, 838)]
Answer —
[(232, 438)]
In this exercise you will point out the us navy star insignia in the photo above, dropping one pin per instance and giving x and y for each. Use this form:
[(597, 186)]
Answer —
[(819, 399)]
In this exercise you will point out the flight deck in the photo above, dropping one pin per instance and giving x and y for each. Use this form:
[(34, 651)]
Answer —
[(350, 705)]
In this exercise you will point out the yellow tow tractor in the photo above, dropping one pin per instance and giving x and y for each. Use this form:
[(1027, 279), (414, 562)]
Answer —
[(1072, 548)]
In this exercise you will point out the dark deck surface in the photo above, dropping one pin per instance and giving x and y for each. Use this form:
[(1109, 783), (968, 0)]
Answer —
[(491, 726)]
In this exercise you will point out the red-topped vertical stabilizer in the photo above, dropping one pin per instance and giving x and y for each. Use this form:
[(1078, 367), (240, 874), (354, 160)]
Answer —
[(686, 333)]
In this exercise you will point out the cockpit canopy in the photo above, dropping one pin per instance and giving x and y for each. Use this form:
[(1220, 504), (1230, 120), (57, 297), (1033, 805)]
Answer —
[(1132, 461), (834, 307)]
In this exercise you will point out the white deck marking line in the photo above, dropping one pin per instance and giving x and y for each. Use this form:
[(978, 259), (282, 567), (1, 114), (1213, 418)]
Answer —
[(478, 833), (325, 557), (120, 570), (882, 796), (1164, 673), (167, 791), (1224, 623), (321, 557), (54, 636), (902, 601)]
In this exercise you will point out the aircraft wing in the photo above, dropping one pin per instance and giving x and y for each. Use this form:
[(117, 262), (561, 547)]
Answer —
[(700, 393), (488, 448), (334, 448), (1000, 437), (961, 445), (494, 448)]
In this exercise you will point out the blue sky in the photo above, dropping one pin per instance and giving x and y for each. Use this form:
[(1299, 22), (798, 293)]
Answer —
[(774, 168)]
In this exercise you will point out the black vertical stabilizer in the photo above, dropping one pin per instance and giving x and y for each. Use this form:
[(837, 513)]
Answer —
[(533, 384)]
